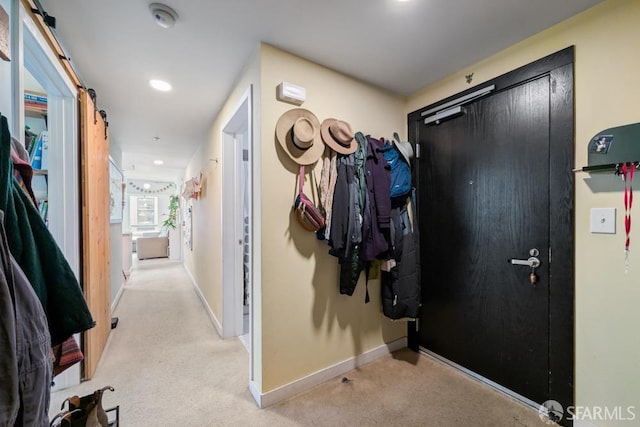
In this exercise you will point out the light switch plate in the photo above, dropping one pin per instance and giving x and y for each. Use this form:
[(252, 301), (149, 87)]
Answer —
[(603, 220)]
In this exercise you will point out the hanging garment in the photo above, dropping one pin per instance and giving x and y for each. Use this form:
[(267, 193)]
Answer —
[(25, 359), (344, 201), (360, 192), (9, 398), (346, 229), (19, 150), (401, 282), (68, 353), (352, 263), (328, 179), (37, 253), (377, 210), (22, 170), (400, 171)]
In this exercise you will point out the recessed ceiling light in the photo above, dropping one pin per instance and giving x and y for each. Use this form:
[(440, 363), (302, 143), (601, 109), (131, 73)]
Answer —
[(146, 186), (160, 85), (158, 162)]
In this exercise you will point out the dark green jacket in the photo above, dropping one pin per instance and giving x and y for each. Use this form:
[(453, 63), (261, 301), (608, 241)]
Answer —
[(37, 253)]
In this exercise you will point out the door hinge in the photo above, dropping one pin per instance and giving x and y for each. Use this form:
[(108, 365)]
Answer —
[(549, 255), (417, 325), (417, 150)]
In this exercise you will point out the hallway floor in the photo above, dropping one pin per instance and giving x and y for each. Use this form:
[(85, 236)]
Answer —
[(169, 367)]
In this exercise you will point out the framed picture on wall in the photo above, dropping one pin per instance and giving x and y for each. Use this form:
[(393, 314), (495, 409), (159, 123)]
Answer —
[(116, 190)]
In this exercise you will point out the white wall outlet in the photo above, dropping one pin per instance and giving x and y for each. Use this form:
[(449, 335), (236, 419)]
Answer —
[(603, 220)]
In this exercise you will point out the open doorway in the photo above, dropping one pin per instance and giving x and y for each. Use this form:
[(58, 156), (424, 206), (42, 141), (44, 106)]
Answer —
[(237, 223), (48, 128)]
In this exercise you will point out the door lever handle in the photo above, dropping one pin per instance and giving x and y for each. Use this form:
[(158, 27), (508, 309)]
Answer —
[(532, 262)]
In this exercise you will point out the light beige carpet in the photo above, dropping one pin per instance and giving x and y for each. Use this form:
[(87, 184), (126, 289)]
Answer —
[(170, 368)]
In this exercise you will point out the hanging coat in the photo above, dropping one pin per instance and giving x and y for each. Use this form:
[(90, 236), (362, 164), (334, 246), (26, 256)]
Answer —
[(9, 398), (346, 228), (38, 255), (25, 356), (342, 212), (400, 276), (377, 209)]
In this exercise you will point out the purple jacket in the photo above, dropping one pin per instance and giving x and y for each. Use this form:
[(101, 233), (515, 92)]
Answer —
[(377, 216)]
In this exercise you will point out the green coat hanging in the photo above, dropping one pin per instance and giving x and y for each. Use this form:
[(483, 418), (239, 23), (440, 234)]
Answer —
[(39, 256)]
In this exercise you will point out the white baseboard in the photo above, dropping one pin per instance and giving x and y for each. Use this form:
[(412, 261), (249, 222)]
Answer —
[(204, 302), (116, 300), (306, 383), (257, 396)]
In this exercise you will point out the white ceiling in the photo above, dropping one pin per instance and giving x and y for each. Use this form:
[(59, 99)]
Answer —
[(117, 47)]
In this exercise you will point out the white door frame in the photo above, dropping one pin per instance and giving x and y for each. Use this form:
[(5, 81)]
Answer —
[(232, 224), (35, 55)]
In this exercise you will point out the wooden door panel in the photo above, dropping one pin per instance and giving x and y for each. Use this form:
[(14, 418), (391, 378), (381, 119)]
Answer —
[(470, 314), (487, 202), (94, 152)]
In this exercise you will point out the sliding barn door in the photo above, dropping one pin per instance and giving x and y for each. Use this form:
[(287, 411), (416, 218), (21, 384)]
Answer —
[(94, 152)]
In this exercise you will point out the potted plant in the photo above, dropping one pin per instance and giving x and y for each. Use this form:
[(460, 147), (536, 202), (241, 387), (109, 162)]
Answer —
[(170, 222)]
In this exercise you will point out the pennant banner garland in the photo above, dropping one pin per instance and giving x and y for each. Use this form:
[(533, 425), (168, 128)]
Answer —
[(155, 188)]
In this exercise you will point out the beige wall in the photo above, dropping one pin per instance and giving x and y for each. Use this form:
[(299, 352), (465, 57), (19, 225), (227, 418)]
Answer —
[(607, 94), (307, 325)]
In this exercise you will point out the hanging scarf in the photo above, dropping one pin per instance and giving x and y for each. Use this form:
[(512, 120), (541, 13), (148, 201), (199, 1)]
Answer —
[(628, 170)]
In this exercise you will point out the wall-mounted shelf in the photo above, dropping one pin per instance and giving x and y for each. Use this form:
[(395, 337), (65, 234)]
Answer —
[(35, 103), (611, 148), (35, 111), (616, 167)]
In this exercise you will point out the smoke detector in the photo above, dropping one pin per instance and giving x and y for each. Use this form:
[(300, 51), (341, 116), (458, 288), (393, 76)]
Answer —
[(163, 15)]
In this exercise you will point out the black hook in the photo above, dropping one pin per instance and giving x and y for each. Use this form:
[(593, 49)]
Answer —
[(94, 97), (635, 164), (103, 114), (48, 19)]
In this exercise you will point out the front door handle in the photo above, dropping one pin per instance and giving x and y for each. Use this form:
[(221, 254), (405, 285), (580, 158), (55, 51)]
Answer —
[(532, 262)]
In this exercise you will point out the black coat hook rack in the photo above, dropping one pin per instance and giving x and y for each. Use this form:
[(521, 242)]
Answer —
[(611, 148)]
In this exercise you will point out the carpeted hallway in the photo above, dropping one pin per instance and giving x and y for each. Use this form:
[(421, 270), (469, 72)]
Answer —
[(170, 368)]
